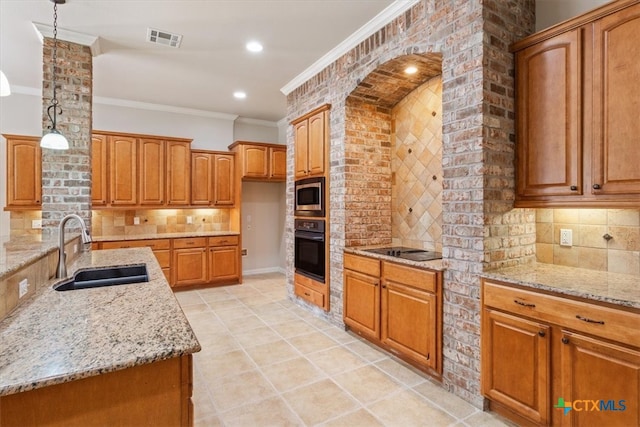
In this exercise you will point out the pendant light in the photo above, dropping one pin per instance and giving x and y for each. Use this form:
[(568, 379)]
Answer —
[(5, 89), (54, 139)]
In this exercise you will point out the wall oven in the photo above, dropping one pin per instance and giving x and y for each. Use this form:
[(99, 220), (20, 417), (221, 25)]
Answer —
[(309, 197), (309, 248)]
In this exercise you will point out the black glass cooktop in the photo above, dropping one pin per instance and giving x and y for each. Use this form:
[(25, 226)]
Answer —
[(403, 252)]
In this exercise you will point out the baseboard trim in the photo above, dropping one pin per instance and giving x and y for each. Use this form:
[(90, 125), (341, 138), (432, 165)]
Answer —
[(263, 271)]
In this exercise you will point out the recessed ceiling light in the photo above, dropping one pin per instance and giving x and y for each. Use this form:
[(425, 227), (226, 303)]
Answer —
[(239, 94), (411, 70), (254, 46)]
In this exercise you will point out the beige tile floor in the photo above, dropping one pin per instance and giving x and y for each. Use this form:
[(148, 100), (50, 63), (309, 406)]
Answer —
[(267, 362)]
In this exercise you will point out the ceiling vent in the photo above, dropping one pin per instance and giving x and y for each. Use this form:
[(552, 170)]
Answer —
[(163, 38)]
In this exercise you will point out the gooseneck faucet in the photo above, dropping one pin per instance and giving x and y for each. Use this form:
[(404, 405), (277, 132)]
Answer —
[(61, 272)]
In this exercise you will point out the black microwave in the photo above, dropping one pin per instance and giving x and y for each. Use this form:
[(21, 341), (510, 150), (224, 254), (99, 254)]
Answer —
[(309, 197)]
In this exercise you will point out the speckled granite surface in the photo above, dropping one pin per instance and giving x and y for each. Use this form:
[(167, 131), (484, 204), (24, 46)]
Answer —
[(619, 289), (19, 251), (113, 238), (57, 337), (435, 264)]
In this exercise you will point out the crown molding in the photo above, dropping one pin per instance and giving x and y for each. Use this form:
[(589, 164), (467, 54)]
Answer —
[(44, 30), (378, 21)]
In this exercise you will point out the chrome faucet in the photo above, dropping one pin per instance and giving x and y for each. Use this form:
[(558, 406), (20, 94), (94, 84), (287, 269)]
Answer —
[(61, 272)]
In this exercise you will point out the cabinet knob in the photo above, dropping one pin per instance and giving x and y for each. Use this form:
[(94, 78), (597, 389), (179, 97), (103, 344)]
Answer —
[(596, 186), (542, 333), (565, 340), (574, 188)]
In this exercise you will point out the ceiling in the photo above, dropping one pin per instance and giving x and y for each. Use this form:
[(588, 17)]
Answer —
[(212, 62)]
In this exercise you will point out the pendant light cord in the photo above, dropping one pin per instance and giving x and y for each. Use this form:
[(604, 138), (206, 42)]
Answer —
[(54, 101)]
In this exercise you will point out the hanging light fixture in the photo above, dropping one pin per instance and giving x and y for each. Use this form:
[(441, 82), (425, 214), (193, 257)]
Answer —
[(54, 139), (5, 89)]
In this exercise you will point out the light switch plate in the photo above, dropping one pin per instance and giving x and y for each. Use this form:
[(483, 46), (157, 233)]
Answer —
[(566, 237), (23, 288), (36, 223)]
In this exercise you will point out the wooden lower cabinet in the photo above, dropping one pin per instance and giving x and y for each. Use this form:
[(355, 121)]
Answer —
[(224, 256), (310, 290), (189, 261), (154, 394), (397, 307), (543, 353)]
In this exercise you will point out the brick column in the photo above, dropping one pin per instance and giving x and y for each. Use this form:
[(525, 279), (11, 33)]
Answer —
[(66, 174)]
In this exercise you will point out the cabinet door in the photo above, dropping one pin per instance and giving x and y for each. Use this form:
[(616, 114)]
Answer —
[(278, 170), (595, 370), (24, 172), (201, 179), (99, 167), (362, 303), (549, 152), (316, 151), (301, 147), (223, 182), (616, 103), (151, 172), (223, 264), (123, 162), (255, 161), (409, 321), (516, 364), (178, 173), (189, 266)]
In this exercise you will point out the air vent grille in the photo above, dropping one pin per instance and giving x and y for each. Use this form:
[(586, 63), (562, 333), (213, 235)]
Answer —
[(163, 38)]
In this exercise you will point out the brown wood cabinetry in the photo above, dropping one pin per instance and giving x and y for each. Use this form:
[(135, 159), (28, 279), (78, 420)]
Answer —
[(151, 172), (99, 170), (311, 142), (397, 307), (311, 291), (123, 170), (123, 397), (178, 173), (212, 178), (189, 261), (261, 161), (537, 348), (224, 258), (577, 111), (161, 249), (24, 174)]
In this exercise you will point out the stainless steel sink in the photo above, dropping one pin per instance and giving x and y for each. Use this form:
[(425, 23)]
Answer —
[(407, 253), (105, 276)]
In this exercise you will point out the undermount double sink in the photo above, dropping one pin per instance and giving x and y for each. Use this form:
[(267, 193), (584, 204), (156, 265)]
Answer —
[(105, 276), (403, 252)]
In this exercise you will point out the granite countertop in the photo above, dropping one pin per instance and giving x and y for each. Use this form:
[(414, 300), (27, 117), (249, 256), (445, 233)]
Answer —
[(613, 288), (113, 238), (57, 337), (435, 264)]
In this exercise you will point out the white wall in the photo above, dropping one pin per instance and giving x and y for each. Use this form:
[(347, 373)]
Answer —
[(551, 12), (255, 131)]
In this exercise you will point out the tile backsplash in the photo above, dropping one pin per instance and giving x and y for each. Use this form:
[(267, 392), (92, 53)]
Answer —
[(620, 254)]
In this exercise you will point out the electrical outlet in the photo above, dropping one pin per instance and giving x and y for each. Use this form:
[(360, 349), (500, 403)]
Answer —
[(566, 237), (23, 288), (189, 219), (136, 220), (244, 252), (36, 223)]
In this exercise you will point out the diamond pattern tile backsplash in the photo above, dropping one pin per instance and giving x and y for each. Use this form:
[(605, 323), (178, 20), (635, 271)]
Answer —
[(416, 166)]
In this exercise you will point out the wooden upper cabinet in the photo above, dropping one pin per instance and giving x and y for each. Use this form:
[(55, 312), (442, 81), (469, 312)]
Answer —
[(224, 179), (261, 161), (548, 87), (616, 104), (178, 173), (201, 178), (123, 175), (99, 169), (311, 135), (577, 111), (151, 172), (24, 172)]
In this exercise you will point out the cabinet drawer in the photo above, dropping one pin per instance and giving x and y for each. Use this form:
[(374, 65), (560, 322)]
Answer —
[(223, 240), (190, 242), (361, 264), (309, 294), (410, 276), (591, 318), (154, 244)]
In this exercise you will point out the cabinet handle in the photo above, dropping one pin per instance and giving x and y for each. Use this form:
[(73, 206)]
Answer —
[(524, 304), (565, 340), (586, 319), (190, 243), (307, 294), (596, 186), (542, 333), (574, 188)]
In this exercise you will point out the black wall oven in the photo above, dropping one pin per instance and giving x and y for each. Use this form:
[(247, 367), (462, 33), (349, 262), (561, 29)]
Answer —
[(309, 197), (309, 248)]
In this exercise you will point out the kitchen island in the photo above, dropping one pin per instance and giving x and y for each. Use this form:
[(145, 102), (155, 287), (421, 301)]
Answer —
[(110, 355)]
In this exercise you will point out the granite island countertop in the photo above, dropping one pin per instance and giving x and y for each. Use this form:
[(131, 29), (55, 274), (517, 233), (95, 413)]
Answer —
[(177, 235), (613, 288), (56, 337), (435, 264)]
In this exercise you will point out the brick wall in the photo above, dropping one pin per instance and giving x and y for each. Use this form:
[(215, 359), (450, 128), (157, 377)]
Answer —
[(66, 174), (467, 43)]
